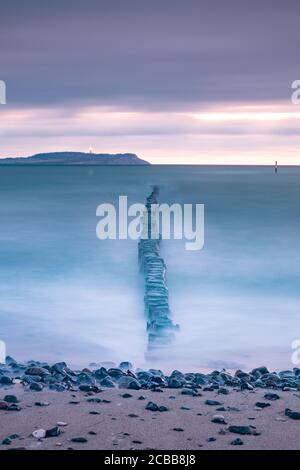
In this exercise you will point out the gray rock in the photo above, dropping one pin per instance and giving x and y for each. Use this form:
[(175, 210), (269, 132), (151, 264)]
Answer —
[(53, 432), (218, 419), (212, 403), (292, 414), (152, 406), (260, 404), (39, 371), (271, 396), (125, 366), (11, 399), (80, 440), (237, 442), (241, 430), (5, 380), (36, 387), (129, 383)]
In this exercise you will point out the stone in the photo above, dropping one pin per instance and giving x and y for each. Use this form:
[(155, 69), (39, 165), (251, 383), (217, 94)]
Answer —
[(53, 432), (89, 388), (42, 403), (152, 406), (129, 383), (107, 382), (11, 399), (36, 387), (126, 395), (5, 380), (61, 424), (80, 440), (40, 371), (6, 442), (3, 405), (178, 429), (115, 373), (218, 419), (292, 414), (189, 391), (271, 396), (39, 433), (14, 407), (223, 391), (212, 403), (260, 371), (260, 404), (163, 408), (237, 442), (241, 430)]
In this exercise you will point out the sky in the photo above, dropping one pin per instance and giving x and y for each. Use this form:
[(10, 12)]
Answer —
[(174, 81)]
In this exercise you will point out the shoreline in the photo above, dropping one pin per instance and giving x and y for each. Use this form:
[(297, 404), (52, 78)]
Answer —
[(46, 407)]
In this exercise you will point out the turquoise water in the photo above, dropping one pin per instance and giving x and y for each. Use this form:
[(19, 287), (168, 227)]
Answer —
[(64, 294)]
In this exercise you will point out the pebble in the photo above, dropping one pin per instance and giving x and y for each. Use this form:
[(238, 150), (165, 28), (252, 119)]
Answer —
[(218, 419), (241, 429), (126, 395), (237, 442), (178, 429), (42, 403), (292, 414), (39, 433), (260, 404), (271, 396), (80, 440), (11, 399), (212, 403), (61, 423), (36, 387), (53, 432)]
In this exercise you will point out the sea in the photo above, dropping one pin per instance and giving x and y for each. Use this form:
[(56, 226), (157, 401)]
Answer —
[(66, 295)]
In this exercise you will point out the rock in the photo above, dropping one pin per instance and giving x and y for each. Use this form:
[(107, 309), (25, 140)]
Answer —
[(132, 415), (189, 391), (3, 405), (152, 406), (10, 361), (42, 403), (260, 404), (260, 371), (89, 388), (175, 383), (212, 403), (129, 383), (11, 399), (271, 396), (36, 387), (115, 373), (53, 432), (94, 400), (6, 442), (126, 395), (223, 391), (211, 439), (61, 424), (218, 419), (241, 430), (5, 380), (80, 440), (14, 407), (141, 397), (107, 382), (39, 433), (39, 371), (178, 429), (163, 408), (292, 414), (237, 442)]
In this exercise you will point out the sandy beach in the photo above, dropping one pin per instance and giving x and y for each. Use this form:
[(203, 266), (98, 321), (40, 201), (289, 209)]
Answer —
[(118, 419)]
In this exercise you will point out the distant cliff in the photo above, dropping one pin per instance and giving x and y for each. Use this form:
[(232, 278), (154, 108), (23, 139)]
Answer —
[(76, 158)]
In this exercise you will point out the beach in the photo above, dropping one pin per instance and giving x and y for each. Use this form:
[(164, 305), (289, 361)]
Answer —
[(132, 414)]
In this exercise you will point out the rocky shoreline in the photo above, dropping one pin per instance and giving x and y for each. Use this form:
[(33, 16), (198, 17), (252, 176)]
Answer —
[(115, 407)]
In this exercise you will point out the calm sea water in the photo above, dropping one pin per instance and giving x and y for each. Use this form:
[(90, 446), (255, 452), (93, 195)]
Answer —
[(65, 295)]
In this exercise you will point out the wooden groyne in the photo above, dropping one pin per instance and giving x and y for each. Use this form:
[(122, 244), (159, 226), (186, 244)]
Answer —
[(160, 327)]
